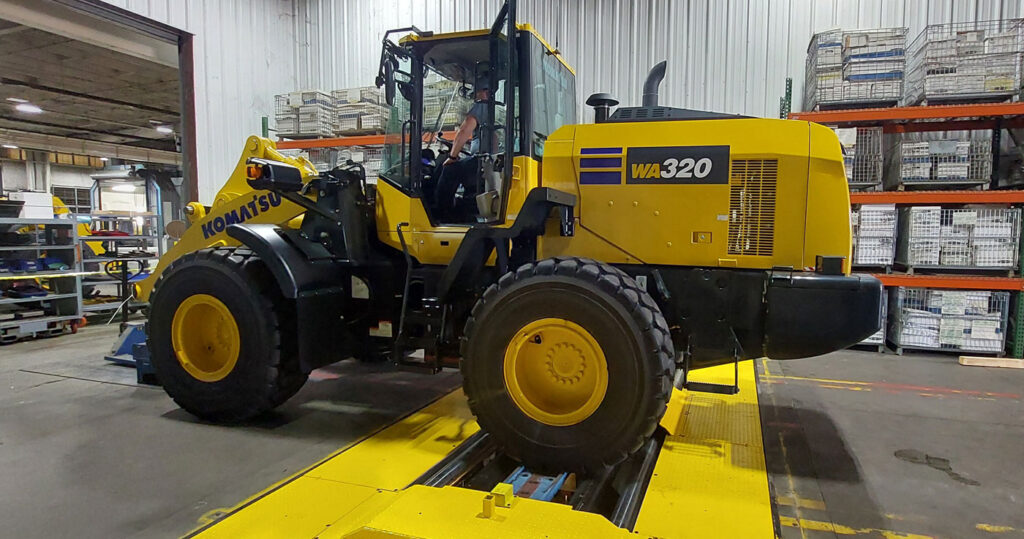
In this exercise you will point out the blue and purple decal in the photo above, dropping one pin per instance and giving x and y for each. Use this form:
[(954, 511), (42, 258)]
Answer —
[(603, 170)]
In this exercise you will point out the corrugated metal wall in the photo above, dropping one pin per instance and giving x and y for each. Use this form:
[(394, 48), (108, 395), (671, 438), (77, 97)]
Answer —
[(244, 53), (724, 55)]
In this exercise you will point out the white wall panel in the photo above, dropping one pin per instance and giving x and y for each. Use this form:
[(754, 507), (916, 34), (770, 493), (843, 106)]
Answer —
[(244, 52), (724, 55)]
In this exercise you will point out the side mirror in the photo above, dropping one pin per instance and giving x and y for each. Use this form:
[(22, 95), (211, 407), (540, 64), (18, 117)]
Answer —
[(390, 66)]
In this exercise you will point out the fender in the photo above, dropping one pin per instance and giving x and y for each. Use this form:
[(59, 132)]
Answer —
[(319, 289)]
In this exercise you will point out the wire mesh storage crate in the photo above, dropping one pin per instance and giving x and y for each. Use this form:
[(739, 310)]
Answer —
[(862, 156), (934, 160), (954, 320), (327, 158), (315, 120), (855, 68), (360, 117), (289, 103), (369, 156), (968, 238), (967, 61), (304, 114), (444, 106), (874, 235), (878, 337), (362, 94)]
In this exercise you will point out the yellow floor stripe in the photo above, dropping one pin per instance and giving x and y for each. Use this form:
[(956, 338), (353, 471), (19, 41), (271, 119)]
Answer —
[(711, 479), (839, 529), (803, 503)]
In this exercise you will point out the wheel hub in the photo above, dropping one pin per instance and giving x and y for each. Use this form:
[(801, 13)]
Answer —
[(566, 363), (205, 338), (555, 371)]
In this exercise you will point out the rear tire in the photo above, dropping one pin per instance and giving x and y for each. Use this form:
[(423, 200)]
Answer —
[(604, 310), (223, 387)]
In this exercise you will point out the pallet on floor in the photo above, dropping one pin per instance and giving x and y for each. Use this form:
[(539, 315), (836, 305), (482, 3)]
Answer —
[(982, 361)]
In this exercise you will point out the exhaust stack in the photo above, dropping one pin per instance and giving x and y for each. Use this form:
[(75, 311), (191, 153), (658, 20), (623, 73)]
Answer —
[(654, 78)]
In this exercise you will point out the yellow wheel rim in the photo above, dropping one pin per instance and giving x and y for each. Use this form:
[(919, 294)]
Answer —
[(555, 371), (205, 338)]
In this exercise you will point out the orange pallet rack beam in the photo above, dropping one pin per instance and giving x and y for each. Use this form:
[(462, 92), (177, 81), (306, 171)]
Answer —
[(938, 197), (353, 140), (961, 282), (333, 142)]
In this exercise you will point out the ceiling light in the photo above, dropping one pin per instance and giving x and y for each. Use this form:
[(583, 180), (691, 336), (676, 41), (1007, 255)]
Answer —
[(124, 187), (10, 146), (17, 100), (28, 107), (104, 159), (164, 129)]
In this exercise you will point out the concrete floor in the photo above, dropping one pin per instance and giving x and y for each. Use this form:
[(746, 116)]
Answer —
[(864, 444), (86, 452), (857, 443)]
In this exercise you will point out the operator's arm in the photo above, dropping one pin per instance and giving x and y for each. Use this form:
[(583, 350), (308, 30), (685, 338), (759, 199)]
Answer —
[(462, 136)]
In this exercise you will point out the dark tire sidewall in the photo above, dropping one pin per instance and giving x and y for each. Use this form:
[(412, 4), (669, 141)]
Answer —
[(256, 332), (630, 374)]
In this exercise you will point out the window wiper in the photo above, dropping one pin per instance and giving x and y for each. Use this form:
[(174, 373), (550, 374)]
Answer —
[(540, 135)]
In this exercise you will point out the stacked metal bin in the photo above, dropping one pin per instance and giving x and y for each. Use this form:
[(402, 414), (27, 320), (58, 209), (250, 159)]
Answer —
[(369, 156), (953, 320), (304, 114), (862, 156), (874, 235), (968, 61), (855, 68), (980, 238), (444, 105), (360, 111), (878, 338), (874, 246), (938, 160)]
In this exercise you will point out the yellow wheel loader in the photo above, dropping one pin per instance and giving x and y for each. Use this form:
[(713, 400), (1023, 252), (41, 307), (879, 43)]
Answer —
[(573, 272)]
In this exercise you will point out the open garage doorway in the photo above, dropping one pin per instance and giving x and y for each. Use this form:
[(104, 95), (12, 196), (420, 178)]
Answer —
[(89, 89)]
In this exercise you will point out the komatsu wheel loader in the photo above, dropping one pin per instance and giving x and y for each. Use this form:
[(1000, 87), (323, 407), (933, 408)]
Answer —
[(582, 271)]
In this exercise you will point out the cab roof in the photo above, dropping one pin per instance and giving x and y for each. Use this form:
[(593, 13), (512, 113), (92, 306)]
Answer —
[(524, 27)]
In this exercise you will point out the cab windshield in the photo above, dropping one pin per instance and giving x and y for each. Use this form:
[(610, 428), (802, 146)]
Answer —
[(452, 71)]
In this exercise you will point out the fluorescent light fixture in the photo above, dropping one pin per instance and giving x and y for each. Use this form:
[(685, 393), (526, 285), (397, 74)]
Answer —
[(17, 100), (124, 187), (164, 129), (10, 146), (28, 107), (104, 159)]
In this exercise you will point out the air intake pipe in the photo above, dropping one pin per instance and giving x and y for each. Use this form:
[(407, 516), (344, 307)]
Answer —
[(654, 77), (602, 104)]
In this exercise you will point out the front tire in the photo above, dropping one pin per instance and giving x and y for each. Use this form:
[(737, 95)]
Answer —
[(568, 364), (217, 339)]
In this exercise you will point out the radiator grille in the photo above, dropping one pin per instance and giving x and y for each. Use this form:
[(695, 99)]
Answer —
[(752, 207)]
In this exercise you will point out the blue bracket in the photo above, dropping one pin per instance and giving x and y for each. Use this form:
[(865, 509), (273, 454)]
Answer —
[(130, 350), (547, 485)]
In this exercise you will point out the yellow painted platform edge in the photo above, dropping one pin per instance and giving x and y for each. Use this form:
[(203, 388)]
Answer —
[(682, 403), (210, 521)]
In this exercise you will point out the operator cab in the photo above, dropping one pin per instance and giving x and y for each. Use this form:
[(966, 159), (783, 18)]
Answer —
[(432, 82)]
